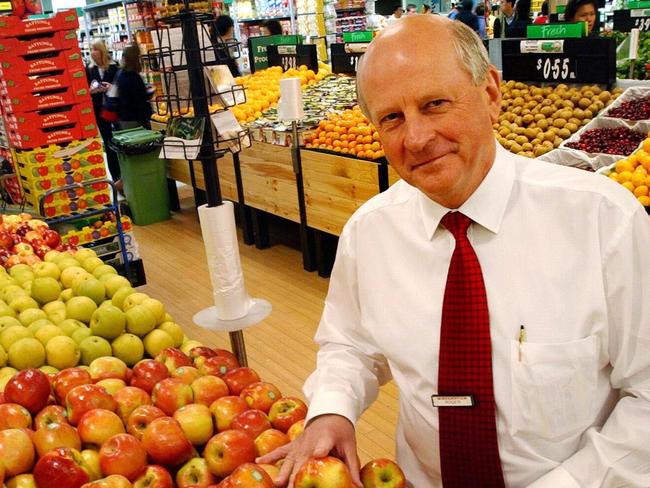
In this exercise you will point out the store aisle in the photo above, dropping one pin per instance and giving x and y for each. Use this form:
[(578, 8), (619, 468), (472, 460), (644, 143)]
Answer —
[(280, 348)]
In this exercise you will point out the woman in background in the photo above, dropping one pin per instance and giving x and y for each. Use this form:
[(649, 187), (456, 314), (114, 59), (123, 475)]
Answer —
[(101, 75), (134, 108), (583, 11), (225, 30), (542, 18), (271, 28)]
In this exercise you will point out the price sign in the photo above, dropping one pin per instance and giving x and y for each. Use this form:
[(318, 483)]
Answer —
[(580, 60), (626, 20), (292, 56), (342, 61), (257, 47)]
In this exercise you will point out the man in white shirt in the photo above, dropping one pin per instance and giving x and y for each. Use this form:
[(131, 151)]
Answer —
[(563, 253), (398, 11)]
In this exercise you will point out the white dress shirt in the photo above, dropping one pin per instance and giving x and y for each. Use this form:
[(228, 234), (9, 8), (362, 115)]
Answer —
[(564, 253)]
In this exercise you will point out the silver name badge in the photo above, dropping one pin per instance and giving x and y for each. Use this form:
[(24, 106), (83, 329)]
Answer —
[(452, 400)]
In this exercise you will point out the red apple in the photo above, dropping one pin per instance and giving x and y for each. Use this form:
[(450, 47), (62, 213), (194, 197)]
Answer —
[(166, 443), (96, 426), (201, 352), (227, 354), (112, 481), (154, 477), (83, 398), (216, 365), (225, 409), (66, 380), (173, 358), (107, 367), (239, 378), (208, 388), (194, 473), (227, 450), (187, 374), (196, 421), (382, 473), (124, 455), (29, 388), (250, 475), (253, 422), (327, 472), (271, 469), (54, 436), (261, 395), (140, 419), (269, 440), (128, 399), (14, 416), (171, 394), (51, 238), (52, 414), (62, 467), (6, 240), (147, 373), (16, 451), (286, 412), (296, 429)]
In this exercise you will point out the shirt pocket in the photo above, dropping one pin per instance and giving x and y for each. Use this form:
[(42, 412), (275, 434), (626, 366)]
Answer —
[(553, 387)]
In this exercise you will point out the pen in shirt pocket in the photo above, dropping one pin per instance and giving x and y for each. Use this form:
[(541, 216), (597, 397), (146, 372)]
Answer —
[(522, 338)]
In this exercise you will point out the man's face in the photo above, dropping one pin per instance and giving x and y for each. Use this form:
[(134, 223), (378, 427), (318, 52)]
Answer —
[(435, 125), (398, 13), (506, 8), (410, 11)]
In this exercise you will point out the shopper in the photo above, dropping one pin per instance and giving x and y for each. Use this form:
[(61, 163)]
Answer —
[(542, 18), (583, 11), (411, 9), (509, 23), (101, 74), (466, 16), (535, 319), (225, 30), (134, 108), (397, 14), (480, 14), (426, 9), (271, 28), (453, 13)]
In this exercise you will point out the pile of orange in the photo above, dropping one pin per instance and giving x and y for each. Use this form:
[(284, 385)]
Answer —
[(633, 173), (347, 133)]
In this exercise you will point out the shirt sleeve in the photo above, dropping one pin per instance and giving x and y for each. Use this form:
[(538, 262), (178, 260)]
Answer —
[(349, 368), (618, 453)]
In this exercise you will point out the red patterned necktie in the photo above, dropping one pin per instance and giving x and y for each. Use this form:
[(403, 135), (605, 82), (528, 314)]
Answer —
[(469, 451)]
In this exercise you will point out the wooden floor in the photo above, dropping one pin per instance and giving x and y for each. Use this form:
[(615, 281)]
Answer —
[(280, 348)]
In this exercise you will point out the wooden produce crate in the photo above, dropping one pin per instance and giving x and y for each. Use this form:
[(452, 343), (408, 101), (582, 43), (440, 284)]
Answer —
[(179, 170)]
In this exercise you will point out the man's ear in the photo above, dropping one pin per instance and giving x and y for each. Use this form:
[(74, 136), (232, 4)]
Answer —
[(493, 93)]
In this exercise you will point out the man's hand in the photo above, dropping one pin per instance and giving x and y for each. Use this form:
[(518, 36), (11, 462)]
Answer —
[(324, 435)]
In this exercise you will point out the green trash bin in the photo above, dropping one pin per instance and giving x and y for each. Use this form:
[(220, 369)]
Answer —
[(144, 174)]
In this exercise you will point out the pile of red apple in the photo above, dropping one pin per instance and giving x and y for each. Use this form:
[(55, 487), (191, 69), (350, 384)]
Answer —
[(26, 240), (197, 420)]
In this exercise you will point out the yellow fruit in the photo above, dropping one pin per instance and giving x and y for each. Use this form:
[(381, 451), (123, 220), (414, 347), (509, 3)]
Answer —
[(641, 191), (637, 179), (629, 186), (624, 176), (624, 165), (614, 176), (645, 201)]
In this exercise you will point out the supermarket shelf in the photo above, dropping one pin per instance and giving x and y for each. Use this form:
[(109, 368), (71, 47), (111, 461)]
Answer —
[(351, 18), (350, 9), (102, 5), (261, 19)]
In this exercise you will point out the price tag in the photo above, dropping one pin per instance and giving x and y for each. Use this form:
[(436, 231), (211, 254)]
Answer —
[(556, 69), (626, 20), (293, 56), (342, 60)]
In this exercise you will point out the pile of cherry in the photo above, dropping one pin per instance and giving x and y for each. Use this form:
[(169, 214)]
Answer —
[(638, 109), (620, 140)]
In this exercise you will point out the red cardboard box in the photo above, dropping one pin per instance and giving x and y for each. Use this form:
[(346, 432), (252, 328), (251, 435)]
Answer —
[(35, 137), (60, 62), (67, 96), (22, 85), (12, 26), (74, 114), (54, 41)]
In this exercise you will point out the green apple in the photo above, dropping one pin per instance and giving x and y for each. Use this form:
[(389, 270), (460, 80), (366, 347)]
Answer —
[(156, 308), (52, 256), (69, 326), (91, 288), (114, 283), (31, 315), (55, 311), (46, 270), (13, 334), (27, 286), (84, 253), (103, 269), (157, 340), (120, 295), (140, 321), (62, 352), (47, 369), (47, 332), (94, 347), (168, 318), (134, 299), (26, 353), (37, 325), (6, 322), (81, 333), (22, 303), (6, 310), (108, 322), (105, 277), (175, 331), (3, 357), (68, 262), (45, 290), (91, 264), (19, 268), (69, 274), (81, 277), (7, 371), (187, 346), (80, 308), (66, 295), (128, 348), (11, 292)]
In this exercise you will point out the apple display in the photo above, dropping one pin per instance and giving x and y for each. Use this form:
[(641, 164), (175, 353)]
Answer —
[(140, 419), (250, 475), (286, 412), (25, 480), (107, 367), (173, 358), (108, 322), (112, 481), (29, 388), (62, 352), (239, 378), (157, 340), (187, 374), (261, 395), (156, 308), (147, 373), (165, 442), (269, 440), (80, 308), (195, 474), (296, 429), (175, 331), (46, 289), (209, 388), (327, 472), (54, 436), (93, 347), (84, 398), (253, 422), (129, 348), (196, 421), (225, 409), (14, 416), (96, 426), (227, 450), (140, 320), (120, 296), (271, 469), (112, 385), (67, 379), (91, 458), (382, 473), (124, 455), (171, 394), (215, 365), (16, 451), (128, 399), (51, 414), (154, 477), (62, 467)]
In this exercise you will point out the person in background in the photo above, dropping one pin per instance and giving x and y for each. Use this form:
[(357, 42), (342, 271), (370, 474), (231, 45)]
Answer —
[(509, 23), (426, 9), (134, 108), (583, 11), (453, 12), (101, 75), (225, 30), (466, 16), (411, 9), (271, 28), (494, 13), (480, 14), (398, 11), (542, 18)]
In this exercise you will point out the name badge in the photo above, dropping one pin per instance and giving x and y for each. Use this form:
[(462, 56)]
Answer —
[(452, 400)]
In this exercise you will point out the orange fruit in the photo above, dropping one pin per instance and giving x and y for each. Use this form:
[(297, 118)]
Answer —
[(641, 191), (645, 201), (629, 185)]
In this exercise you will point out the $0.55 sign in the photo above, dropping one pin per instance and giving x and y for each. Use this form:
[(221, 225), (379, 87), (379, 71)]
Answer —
[(555, 69)]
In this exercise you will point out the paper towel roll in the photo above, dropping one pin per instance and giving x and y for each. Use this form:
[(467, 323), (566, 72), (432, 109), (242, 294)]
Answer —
[(220, 240), (290, 105)]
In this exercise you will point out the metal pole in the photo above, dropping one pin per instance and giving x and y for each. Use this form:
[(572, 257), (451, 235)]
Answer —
[(238, 347)]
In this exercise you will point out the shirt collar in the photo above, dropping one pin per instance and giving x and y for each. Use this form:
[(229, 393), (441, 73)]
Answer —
[(486, 206)]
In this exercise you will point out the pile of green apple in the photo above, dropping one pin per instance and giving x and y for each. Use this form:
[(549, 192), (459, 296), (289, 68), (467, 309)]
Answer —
[(72, 308)]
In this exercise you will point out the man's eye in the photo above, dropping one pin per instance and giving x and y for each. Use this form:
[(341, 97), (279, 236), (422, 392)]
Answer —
[(436, 103), (390, 117)]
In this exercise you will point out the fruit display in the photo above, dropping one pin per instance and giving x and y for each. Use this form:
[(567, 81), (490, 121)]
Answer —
[(633, 172), (347, 133), (636, 109), (534, 120), (26, 240), (620, 140)]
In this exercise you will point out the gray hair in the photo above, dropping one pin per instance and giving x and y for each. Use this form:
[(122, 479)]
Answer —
[(470, 51)]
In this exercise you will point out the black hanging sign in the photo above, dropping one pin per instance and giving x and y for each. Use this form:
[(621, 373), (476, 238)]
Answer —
[(293, 55), (342, 61), (626, 20), (584, 60)]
